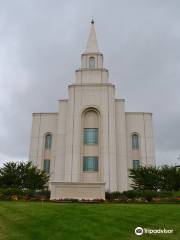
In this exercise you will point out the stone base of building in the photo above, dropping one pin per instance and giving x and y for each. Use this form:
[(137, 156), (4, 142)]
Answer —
[(77, 190)]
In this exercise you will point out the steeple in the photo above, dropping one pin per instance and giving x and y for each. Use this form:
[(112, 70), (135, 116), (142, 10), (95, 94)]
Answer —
[(92, 44), (92, 70)]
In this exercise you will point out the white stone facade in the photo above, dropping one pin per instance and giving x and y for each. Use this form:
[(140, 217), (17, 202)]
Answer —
[(91, 104)]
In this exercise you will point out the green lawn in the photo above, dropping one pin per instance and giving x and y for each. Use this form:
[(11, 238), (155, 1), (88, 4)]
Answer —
[(35, 220)]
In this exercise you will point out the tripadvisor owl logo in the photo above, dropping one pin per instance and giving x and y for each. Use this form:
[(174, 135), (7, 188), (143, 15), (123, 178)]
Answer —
[(139, 231)]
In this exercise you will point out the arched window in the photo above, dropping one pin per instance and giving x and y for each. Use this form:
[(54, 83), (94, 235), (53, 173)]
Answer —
[(91, 141), (91, 128), (91, 62), (135, 141), (48, 141)]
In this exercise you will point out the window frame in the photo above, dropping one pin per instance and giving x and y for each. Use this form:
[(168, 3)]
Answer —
[(135, 165), (48, 143), (47, 168), (95, 164), (92, 62), (92, 138), (135, 145)]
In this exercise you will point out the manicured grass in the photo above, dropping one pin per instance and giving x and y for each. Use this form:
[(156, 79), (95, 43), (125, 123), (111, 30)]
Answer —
[(51, 221)]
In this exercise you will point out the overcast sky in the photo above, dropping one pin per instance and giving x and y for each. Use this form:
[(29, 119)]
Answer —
[(40, 46)]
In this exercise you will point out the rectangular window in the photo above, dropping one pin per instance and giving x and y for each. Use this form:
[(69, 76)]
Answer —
[(46, 166), (136, 164), (91, 135), (90, 164)]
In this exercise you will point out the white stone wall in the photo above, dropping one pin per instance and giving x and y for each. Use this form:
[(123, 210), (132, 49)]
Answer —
[(89, 191), (121, 152), (116, 128), (43, 123), (59, 168), (100, 97), (141, 123)]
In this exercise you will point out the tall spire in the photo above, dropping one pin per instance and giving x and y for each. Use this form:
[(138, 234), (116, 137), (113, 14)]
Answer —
[(92, 44)]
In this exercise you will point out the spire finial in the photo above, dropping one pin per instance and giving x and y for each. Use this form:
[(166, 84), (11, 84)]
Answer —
[(92, 45)]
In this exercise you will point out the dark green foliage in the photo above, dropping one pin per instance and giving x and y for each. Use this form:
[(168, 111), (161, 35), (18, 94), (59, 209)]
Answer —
[(10, 175), (114, 195), (22, 175), (145, 178), (156, 178), (133, 194), (27, 194), (170, 178), (6, 193), (139, 194), (147, 194)]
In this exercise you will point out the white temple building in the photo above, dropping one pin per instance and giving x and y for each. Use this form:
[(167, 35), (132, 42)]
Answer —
[(88, 146)]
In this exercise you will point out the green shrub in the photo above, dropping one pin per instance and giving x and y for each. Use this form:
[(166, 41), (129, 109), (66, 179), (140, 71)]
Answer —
[(40, 193), (149, 195), (7, 193), (11, 191), (138, 194), (114, 195), (22, 175), (133, 194), (163, 194), (164, 178), (176, 194)]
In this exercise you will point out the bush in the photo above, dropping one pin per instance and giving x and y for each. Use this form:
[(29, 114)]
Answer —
[(7, 193), (22, 175), (114, 195), (164, 178), (149, 195), (133, 194), (176, 194), (42, 194), (163, 194), (138, 195), (26, 194)]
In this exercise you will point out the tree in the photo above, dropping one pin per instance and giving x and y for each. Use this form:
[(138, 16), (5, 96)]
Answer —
[(9, 175), (155, 178), (144, 178), (170, 178), (22, 175)]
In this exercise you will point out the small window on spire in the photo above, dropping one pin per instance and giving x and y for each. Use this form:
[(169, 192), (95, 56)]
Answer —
[(91, 62)]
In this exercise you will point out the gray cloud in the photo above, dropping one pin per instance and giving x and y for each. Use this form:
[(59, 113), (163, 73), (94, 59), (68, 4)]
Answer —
[(40, 46)]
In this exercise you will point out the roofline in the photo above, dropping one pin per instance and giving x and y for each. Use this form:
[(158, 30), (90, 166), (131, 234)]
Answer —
[(120, 100), (139, 113), (63, 100), (91, 85), (39, 113)]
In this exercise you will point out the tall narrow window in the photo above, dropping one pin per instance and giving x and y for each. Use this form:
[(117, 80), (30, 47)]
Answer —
[(46, 166), (90, 164), (90, 135), (48, 141), (136, 164), (91, 141), (91, 62), (135, 142)]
